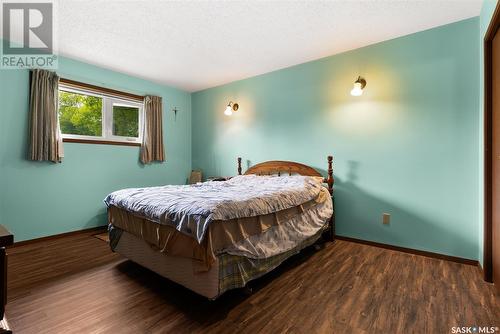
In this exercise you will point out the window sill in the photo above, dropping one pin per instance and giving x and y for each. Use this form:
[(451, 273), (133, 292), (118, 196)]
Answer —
[(99, 142)]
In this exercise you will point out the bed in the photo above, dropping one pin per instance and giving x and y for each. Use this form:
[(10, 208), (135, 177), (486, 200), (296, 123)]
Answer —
[(219, 235)]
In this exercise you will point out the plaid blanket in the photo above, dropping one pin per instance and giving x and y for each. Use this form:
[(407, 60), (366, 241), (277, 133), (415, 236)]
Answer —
[(237, 271)]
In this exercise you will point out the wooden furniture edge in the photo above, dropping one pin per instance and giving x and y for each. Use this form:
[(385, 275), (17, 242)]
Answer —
[(411, 251), (279, 166), (6, 239), (99, 142), (57, 236)]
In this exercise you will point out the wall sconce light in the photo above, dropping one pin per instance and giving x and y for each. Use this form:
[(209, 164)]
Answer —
[(359, 84), (230, 108)]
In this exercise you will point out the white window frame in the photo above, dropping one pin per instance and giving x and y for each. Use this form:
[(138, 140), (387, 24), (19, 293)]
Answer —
[(107, 117)]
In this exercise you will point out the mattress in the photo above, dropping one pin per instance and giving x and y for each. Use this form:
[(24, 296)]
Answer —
[(191, 209), (255, 237)]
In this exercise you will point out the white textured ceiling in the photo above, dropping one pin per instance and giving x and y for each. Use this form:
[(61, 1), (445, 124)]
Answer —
[(197, 45)]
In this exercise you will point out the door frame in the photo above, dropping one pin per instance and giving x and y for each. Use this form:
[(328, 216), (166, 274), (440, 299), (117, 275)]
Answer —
[(488, 136)]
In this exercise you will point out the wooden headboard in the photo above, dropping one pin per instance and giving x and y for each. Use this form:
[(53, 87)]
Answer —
[(289, 167)]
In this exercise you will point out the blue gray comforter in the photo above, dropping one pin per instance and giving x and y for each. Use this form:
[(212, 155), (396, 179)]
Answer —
[(191, 208)]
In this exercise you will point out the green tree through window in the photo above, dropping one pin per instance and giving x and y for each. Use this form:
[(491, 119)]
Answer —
[(83, 115), (80, 114), (125, 121)]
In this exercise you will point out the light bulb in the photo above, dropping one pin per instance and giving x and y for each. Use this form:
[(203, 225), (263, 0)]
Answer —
[(357, 90), (228, 111)]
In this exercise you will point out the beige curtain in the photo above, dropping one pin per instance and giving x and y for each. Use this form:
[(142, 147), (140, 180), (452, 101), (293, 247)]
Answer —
[(152, 135), (45, 139)]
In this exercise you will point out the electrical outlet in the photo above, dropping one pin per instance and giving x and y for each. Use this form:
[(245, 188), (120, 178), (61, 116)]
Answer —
[(386, 218)]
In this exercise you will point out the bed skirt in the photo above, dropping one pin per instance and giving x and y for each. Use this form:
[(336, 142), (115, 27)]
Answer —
[(228, 272)]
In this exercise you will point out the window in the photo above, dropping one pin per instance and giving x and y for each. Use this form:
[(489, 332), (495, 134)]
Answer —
[(80, 114), (87, 115)]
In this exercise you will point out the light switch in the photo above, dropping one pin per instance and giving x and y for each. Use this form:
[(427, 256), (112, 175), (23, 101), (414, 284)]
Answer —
[(386, 218)]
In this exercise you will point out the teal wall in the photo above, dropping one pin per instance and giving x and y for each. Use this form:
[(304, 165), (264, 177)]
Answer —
[(408, 146), (39, 199), (484, 20)]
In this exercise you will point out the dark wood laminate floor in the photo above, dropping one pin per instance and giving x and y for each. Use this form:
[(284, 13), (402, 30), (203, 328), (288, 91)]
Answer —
[(76, 285)]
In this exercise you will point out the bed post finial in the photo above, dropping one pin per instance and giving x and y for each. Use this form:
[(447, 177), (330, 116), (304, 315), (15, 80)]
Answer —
[(330, 180), (239, 166)]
